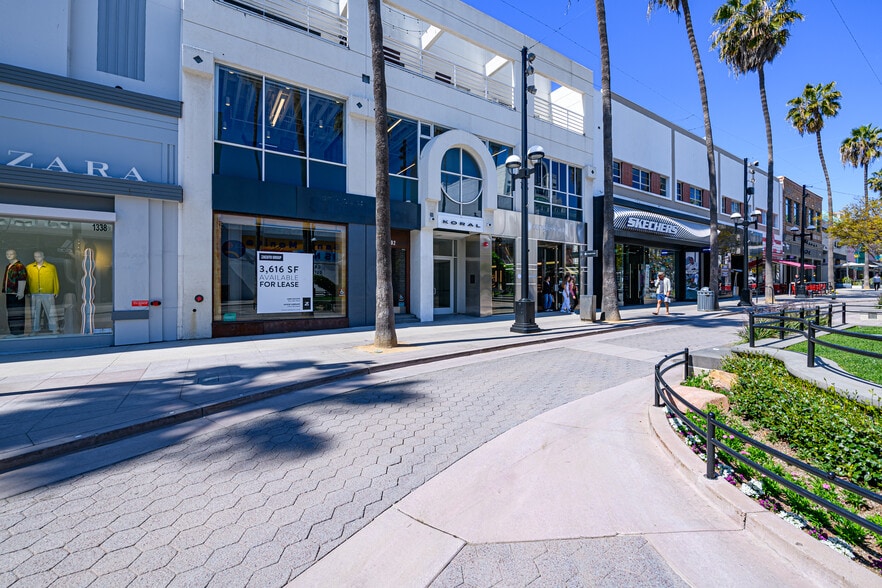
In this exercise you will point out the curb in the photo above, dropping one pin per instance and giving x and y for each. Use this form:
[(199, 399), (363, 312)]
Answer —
[(801, 550), (66, 446)]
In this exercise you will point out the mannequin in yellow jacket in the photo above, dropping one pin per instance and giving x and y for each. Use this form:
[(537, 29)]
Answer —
[(43, 287)]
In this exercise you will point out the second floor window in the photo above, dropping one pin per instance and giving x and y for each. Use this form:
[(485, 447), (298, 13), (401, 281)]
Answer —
[(640, 179), (663, 186), (558, 190), (275, 132), (461, 184), (504, 181), (617, 172), (695, 196)]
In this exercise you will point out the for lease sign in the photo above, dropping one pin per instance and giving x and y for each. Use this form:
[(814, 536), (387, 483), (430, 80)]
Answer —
[(284, 282)]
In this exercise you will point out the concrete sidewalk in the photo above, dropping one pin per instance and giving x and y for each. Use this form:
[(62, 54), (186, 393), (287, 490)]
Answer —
[(583, 495), (56, 403)]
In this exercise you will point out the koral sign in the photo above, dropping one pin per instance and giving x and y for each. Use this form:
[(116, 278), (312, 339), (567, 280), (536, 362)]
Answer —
[(92, 168)]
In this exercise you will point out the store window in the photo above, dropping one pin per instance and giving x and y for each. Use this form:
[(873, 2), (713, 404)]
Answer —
[(461, 184), (407, 138), (272, 131), (58, 277), (558, 190), (403, 136), (504, 181), (503, 275), (270, 268)]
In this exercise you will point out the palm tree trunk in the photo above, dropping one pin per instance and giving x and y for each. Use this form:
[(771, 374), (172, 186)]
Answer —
[(609, 288), (866, 282), (714, 275), (384, 336), (831, 278), (769, 272)]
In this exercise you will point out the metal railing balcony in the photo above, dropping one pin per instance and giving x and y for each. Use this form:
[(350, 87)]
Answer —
[(558, 115), (298, 14), (436, 68)]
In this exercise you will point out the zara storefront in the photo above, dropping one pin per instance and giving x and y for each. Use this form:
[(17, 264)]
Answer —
[(88, 213)]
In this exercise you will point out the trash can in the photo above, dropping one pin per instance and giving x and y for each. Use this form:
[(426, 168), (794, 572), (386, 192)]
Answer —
[(705, 299)]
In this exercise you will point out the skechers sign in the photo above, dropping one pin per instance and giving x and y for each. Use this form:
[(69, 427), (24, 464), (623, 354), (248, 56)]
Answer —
[(650, 225)]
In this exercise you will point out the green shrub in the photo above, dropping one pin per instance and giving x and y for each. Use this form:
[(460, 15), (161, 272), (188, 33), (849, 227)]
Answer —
[(848, 530), (702, 381), (877, 519), (832, 433)]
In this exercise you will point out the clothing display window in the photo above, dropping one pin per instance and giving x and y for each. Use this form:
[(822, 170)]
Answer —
[(272, 269), (57, 278)]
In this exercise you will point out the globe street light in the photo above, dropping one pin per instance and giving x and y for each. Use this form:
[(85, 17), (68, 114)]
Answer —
[(802, 231), (525, 309), (744, 223), (522, 168)]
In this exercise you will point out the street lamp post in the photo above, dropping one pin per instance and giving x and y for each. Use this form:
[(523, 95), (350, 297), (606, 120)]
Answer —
[(801, 231), (744, 223), (522, 168)]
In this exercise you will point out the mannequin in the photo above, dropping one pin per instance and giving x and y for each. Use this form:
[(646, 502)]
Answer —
[(14, 285), (43, 286)]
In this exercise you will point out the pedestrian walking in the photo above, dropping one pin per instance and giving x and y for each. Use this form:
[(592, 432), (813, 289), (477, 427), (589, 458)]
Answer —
[(876, 281), (567, 292), (662, 293)]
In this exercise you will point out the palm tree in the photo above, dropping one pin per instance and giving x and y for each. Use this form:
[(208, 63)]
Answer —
[(874, 182), (609, 289), (807, 115), (384, 336), (750, 35), (860, 150), (675, 6)]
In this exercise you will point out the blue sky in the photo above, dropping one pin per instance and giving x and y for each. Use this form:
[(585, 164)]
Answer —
[(652, 66)]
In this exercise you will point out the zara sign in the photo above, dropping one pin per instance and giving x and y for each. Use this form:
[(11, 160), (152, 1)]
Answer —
[(90, 168)]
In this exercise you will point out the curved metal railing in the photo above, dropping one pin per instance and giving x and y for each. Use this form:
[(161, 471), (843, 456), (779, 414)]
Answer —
[(666, 396)]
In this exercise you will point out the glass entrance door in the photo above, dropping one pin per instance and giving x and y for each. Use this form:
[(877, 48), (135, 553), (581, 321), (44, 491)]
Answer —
[(442, 293), (548, 263)]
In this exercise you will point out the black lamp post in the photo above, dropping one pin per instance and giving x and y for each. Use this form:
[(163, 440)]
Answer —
[(744, 223), (802, 231), (522, 168)]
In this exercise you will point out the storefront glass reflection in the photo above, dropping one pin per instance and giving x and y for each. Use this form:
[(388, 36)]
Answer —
[(57, 278), (503, 280), (636, 270), (237, 289)]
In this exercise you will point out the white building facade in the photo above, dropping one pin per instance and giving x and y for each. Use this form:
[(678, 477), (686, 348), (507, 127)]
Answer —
[(278, 163), (89, 183), (662, 202)]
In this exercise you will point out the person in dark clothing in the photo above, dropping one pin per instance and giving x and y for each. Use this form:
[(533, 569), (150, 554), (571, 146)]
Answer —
[(548, 293)]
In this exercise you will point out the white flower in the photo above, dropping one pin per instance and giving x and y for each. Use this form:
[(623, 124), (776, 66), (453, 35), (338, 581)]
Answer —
[(840, 546), (725, 470), (794, 519), (753, 488)]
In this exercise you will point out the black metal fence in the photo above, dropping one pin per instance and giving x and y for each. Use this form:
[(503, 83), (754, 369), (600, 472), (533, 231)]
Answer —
[(665, 395), (807, 322)]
